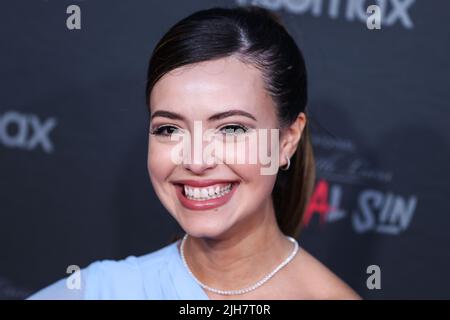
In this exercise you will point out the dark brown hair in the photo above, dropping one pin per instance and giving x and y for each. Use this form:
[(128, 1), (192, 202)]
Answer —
[(255, 36)]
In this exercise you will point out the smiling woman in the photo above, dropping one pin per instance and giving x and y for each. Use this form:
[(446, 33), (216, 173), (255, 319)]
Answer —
[(235, 70)]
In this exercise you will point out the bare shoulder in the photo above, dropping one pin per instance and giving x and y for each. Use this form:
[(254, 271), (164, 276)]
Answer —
[(317, 281)]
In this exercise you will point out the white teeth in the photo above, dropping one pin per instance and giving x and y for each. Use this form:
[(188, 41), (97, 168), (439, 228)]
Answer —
[(206, 193)]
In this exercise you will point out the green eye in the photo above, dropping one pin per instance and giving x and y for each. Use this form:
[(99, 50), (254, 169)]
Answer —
[(234, 129)]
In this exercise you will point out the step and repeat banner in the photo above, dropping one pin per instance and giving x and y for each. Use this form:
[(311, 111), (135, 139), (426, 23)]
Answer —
[(74, 186)]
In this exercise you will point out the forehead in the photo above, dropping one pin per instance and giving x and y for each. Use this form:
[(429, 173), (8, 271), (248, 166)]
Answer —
[(211, 86)]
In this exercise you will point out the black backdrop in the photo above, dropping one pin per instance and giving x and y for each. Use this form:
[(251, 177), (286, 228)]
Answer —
[(73, 138)]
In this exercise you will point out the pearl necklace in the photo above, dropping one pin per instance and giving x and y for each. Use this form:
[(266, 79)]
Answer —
[(250, 288)]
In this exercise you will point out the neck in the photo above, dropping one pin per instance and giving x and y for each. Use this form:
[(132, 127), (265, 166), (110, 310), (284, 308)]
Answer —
[(242, 256)]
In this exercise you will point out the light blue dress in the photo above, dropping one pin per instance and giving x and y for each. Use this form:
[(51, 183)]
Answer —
[(158, 275)]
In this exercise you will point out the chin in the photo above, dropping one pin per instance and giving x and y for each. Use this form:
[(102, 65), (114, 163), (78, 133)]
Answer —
[(204, 230)]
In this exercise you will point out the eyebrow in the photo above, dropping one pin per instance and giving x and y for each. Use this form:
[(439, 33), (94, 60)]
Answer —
[(214, 117)]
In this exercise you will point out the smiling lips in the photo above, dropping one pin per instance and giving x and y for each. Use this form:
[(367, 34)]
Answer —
[(204, 194)]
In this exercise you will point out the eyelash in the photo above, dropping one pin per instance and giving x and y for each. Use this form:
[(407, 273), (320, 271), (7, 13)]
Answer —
[(159, 130), (243, 128)]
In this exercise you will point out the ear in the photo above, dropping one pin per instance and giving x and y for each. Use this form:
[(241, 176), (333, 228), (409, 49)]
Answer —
[(290, 137)]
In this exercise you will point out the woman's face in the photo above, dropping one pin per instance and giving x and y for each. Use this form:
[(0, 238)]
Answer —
[(211, 199)]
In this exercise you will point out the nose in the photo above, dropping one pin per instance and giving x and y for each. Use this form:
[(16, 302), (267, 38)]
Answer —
[(198, 168), (200, 164), (199, 161)]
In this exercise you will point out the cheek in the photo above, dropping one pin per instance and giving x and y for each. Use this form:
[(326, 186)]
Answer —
[(159, 162), (257, 185)]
